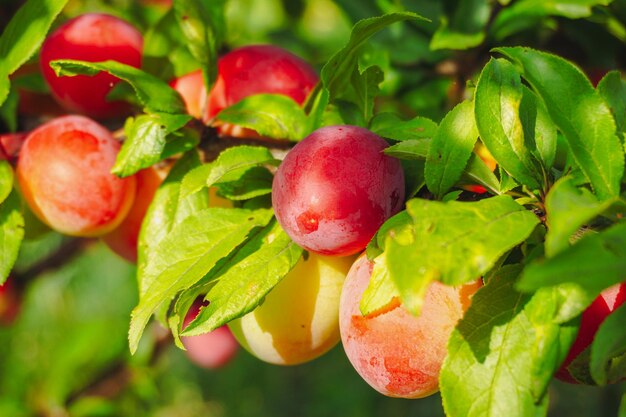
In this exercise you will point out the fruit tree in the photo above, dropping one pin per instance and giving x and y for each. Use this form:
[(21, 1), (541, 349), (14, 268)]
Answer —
[(376, 200)]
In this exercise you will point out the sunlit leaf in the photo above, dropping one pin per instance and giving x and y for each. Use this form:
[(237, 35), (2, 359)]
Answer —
[(154, 94), (11, 233), (270, 115), (579, 112), (187, 254), (499, 96), (23, 35), (453, 242), (450, 149), (247, 278)]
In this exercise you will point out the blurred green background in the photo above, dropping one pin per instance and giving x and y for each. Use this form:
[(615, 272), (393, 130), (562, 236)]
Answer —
[(66, 352)]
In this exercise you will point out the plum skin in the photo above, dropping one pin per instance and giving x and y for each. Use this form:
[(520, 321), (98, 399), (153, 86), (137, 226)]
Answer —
[(335, 188), (64, 174), (259, 69), (299, 319), (193, 92), (243, 72), (398, 354), (90, 37), (123, 239), (593, 316), (211, 350)]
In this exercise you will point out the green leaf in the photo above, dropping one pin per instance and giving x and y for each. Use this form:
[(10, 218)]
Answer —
[(366, 84), (454, 242), (579, 112), (413, 177), (412, 290), (165, 51), (538, 128), (336, 74), (381, 290), (448, 38), (410, 149), (23, 36), (595, 262), (526, 14), (475, 172), (397, 224), (203, 24), (8, 110), (348, 111), (250, 183), (566, 302), (498, 100), (464, 27), (389, 125), (229, 166), (450, 149), (6, 180), (165, 211), (180, 141), (492, 354), (550, 311), (612, 89), (11, 234), (188, 253), (567, 209), (247, 278), (154, 94), (609, 345), (271, 115), (315, 106), (146, 140), (339, 68), (163, 36)]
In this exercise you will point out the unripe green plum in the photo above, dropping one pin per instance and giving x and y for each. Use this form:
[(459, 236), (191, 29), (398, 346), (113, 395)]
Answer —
[(298, 320), (395, 352), (64, 174)]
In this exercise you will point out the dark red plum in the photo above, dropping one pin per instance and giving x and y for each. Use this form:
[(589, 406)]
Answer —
[(336, 188)]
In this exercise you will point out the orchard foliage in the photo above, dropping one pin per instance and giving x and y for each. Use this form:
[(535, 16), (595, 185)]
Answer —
[(544, 231)]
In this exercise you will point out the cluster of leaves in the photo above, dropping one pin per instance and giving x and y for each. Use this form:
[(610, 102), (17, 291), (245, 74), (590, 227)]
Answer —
[(559, 145), (557, 140)]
